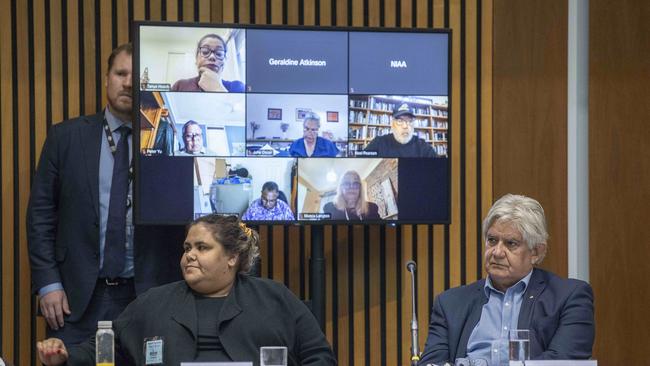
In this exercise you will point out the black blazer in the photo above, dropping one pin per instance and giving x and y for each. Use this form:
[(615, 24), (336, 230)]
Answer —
[(63, 219), (258, 312), (558, 312)]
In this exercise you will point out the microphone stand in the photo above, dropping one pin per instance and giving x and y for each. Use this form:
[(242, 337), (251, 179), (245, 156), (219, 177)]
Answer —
[(415, 353)]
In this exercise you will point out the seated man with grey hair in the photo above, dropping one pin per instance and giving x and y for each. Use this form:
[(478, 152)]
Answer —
[(474, 321), (310, 144), (193, 140)]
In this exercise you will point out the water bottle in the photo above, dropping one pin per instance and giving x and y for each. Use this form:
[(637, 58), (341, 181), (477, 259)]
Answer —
[(105, 344)]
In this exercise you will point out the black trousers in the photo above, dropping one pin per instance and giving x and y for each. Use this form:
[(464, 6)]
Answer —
[(108, 301)]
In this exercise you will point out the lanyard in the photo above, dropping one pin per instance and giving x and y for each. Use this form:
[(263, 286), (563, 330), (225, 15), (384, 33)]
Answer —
[(111, 143)]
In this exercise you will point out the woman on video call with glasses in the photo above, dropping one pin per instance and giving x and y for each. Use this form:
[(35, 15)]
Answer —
[(211, 52), (350, 201)]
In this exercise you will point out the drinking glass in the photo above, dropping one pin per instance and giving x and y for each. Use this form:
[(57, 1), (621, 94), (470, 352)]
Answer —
[(519, 348), (273, 356)]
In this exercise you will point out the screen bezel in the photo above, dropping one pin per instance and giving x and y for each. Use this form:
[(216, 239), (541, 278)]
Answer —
[(135, 28)]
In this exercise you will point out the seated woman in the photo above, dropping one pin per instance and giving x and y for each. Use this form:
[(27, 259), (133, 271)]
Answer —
[(310, 144), (218, 313), (211, 53), (350, 201)]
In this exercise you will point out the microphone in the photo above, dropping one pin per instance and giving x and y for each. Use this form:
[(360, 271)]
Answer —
[(415, 352)]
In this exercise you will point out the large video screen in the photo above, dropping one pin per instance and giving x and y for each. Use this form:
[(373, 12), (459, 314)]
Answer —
[(291, 125)]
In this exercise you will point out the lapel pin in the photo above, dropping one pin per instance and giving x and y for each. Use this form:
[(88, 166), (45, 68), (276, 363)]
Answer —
[(531, 296)]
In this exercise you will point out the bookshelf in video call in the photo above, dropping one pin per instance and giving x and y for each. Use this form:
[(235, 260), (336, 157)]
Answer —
[(370, 116)]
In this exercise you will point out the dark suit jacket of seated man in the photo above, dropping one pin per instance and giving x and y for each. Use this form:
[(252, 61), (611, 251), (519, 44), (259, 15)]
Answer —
[(557, 312)]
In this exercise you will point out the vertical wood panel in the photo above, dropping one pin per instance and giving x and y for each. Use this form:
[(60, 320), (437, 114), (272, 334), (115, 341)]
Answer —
[(106, 40), (23, 183), (423, 285), (122, 21), (309, 12), (357, 13), (326, 12), (392, 358), (619, 178), (471, 138), (260, 12), (358, 303), (172, 10), (156, 9), (422, 13), (438, 259), (405, 293), (40, 117), (278, 253), (294, 259), (72, 58), (188, 10), (89, 57), (244, 11), (56, 32), (390, 18), (138, 9), (206, 10), (342, 12), (454, 228), (486, 110), (329, 295), (343, 304), (375, 302), (264, 250), (374, 16), (292, 12), (438, 13), (7, 160), (276, 11)]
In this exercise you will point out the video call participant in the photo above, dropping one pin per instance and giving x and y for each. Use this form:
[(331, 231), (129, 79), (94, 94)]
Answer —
[(268, 206), (473, 321), (79, 229), (217, 314), (350, 201), (401, 142), (211, 53), (310, 144), (193, 139)]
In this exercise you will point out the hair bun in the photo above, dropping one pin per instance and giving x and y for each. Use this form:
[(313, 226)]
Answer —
[(248, 231)]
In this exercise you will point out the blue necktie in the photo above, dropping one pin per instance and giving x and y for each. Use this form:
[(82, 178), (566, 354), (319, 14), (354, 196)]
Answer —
[(115, 243)]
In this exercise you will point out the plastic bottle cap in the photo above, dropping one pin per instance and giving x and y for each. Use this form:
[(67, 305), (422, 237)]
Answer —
[(105, 324)]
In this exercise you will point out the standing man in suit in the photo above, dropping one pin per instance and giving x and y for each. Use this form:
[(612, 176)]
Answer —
[(474, 321), (79, 220)]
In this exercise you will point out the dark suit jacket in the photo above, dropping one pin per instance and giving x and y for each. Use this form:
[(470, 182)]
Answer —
[(63, 219), (258, 312), (558, 312)]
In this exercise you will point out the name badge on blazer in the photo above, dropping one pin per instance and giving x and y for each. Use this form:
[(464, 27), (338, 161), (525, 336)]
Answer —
[(153, 351)]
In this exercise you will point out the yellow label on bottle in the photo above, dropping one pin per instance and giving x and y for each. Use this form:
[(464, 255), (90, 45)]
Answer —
[(105, 364)]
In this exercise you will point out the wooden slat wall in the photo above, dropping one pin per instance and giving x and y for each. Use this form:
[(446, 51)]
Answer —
[(619, 175), (530, 111), (52, 66)]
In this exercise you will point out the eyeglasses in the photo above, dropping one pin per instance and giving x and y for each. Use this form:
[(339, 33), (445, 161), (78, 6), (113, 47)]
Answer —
[(193, 136), (404, 122), (307, 129), (205, 51), (348, 185)]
